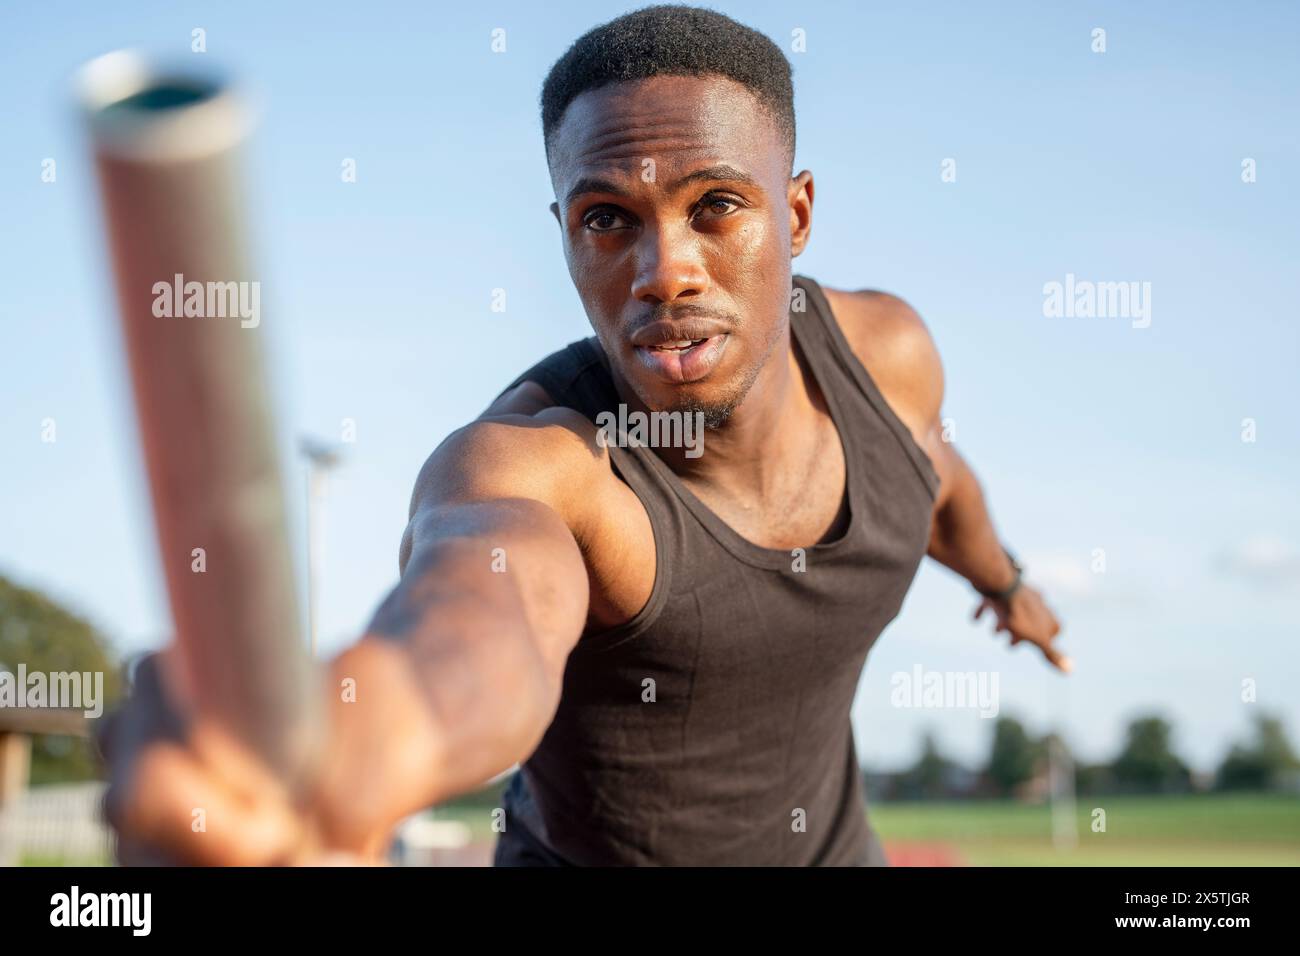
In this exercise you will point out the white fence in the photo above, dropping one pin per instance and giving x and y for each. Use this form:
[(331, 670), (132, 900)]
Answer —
[(63, 826), (56, 825)]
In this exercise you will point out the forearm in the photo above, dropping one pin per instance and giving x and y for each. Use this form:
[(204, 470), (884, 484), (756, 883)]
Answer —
[(962, 536), (487, 632)]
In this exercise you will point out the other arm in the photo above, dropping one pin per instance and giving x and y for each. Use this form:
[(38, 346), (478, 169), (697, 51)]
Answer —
[(893, 343)]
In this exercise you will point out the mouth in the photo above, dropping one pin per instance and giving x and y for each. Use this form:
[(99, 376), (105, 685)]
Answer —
[(683, 360), (684, 348)]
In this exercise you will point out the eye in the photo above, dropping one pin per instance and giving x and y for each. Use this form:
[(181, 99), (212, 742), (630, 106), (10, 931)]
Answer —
[(716, 205), (604, 219)]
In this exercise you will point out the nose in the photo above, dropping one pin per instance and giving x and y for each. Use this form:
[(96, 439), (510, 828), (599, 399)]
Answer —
[(669, 267)]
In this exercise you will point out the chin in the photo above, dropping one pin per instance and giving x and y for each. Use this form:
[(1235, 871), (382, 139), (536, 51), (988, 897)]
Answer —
[(715, 397), (716, 405)]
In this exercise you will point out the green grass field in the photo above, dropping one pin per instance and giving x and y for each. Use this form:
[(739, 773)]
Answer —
[(1199, 830), (1194, 830)]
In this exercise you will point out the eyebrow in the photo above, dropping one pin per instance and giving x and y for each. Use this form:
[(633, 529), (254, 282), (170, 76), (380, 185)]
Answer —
[(719, 173)]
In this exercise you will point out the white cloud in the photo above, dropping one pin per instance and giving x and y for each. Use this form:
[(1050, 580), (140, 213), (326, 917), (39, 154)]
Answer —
[(1062, 574), (1266, 559)]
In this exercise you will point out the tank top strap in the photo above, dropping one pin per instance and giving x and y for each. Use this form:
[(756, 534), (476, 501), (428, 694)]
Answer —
[(835, 365), (572, 377)]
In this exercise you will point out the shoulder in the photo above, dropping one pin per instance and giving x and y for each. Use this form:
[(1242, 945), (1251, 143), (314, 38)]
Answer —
[(523, 446), (892, 342)]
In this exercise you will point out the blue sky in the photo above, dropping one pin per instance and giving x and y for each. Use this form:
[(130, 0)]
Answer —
[(1087, 433)]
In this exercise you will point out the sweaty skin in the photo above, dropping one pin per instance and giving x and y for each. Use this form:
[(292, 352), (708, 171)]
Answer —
[(679, 221)]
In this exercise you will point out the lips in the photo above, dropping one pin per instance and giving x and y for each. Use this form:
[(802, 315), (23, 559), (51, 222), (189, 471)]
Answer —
[(684, 360), (680, 351)]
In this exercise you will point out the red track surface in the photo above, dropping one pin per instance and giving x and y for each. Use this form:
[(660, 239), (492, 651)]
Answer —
[(922, 854)]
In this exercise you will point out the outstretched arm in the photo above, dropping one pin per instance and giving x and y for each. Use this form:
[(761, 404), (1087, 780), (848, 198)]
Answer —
[(492, 599), (455, 680)]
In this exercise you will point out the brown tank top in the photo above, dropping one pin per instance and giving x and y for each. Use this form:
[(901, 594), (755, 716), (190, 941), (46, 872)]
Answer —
[(745, 754)]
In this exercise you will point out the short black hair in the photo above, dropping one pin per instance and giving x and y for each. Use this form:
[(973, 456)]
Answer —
[(671, 40)]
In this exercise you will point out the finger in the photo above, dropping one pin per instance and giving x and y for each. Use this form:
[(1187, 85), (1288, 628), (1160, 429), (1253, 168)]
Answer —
[(979, 611), (1056, 658), (178, 807)]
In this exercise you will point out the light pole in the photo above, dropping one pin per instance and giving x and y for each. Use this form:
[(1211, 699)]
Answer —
[(1060, 774), (320, 459)]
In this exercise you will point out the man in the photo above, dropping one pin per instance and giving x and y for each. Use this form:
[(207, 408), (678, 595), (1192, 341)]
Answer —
[(666, 626)]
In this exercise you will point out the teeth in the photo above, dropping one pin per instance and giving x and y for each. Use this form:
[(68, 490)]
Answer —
[(682, 344)]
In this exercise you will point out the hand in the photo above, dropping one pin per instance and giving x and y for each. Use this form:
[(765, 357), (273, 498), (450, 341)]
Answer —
[(165, 764), (1026, 617), (170, 806)]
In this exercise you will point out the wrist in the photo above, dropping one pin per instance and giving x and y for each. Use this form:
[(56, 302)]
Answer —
[(1011, 583)]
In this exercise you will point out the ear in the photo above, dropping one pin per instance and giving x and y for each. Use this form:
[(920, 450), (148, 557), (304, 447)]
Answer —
[(555, 211), (801, 203)]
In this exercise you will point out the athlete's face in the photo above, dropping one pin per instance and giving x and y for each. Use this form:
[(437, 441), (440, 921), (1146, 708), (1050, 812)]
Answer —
[(680, 220)]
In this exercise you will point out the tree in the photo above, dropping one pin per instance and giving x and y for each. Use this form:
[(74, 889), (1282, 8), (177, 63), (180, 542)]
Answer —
[(1092, 779), (1014, 757), (37, 633), (1147, 763), (1263, 764), (928, 777)]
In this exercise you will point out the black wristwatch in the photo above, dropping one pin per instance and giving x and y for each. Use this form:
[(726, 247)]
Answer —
[(1005, 594)]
